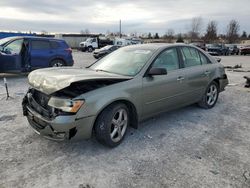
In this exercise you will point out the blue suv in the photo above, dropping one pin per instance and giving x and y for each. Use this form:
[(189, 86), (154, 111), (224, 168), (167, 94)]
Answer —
[(24, 54)]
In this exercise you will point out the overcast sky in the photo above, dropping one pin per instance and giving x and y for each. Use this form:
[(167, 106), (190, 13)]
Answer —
[(141, 16)]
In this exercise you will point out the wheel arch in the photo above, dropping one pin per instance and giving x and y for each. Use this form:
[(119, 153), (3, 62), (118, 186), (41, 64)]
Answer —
[(132, 111), (57, 58), (217, 80)]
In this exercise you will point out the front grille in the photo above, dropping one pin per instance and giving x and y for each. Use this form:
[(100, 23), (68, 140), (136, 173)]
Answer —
[(36, 123), (38, 101)]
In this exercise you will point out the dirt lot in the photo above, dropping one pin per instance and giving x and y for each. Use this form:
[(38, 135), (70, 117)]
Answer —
[(189, 147)]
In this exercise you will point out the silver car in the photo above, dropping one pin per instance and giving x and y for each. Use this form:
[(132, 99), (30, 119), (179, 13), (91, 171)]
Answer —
[(121, 89)]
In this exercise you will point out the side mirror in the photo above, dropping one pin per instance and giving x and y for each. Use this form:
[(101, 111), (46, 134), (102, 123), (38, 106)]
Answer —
[(157, 71)]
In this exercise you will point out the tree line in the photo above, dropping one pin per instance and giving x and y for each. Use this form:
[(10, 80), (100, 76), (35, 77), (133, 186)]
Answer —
[(211, 34)]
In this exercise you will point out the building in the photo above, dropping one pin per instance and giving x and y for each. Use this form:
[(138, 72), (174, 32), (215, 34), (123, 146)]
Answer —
[(73, 40)]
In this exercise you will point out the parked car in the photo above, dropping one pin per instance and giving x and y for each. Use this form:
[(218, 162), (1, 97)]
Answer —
[(233, 49), (217, 49), (122, 42), (94, 43), (98, 53), (245, 50), (127, 86), (199, 45), (23, 54)]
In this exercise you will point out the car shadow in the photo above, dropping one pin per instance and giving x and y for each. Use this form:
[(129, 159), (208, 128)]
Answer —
[(13, 75), (156, 126)]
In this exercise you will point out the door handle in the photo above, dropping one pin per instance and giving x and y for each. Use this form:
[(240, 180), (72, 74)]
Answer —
[(180, 78), (207, 73)]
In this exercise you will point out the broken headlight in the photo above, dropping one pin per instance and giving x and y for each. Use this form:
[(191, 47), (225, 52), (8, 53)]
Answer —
[(66, 105)]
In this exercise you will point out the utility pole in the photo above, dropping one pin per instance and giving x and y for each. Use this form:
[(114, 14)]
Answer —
[(120, 29)]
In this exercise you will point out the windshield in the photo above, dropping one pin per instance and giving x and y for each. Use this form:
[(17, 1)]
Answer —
[(125, 61), (216, 45), (89, 40), (14, 47), (4, 40)]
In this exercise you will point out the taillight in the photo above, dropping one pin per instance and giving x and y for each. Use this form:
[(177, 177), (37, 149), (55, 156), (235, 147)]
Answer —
[(68, 50)]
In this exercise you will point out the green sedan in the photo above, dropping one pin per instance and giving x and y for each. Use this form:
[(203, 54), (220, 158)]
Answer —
[(120, 90)]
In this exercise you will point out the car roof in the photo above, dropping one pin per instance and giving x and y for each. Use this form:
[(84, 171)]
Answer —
[(33, 37), (155, 46)]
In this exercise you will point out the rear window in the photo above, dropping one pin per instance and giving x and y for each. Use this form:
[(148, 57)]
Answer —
[(204, 59), (190, 57), (40, 45), (54, 44)]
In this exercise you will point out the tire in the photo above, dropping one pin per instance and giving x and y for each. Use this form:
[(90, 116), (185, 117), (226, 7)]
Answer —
[(90, 49), (210, 97), (57, 63), (111, 125)]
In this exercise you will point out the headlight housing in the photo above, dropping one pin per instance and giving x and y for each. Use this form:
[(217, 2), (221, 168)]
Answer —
[(66, 105)]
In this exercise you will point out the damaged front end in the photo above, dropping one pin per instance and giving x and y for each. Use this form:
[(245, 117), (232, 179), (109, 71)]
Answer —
[(54, 116), (44, 119)]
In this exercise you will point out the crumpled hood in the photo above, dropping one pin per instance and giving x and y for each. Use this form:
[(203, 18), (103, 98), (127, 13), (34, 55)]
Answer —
[(50, 80)]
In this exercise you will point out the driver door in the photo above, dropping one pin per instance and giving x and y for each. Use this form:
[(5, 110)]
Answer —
[(10, 58)]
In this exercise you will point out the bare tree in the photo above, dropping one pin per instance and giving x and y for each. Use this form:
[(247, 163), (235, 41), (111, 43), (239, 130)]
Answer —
[(211, 33), (196, 26), (232, 31), (86, 31), (169, 35)]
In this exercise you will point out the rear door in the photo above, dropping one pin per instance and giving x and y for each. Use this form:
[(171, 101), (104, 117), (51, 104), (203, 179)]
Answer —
[(164, 92), (10, 58), (195, 73), (40, 53)]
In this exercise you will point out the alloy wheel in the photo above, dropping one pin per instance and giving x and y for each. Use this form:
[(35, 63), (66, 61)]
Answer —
[(119, 125), (212, 94)]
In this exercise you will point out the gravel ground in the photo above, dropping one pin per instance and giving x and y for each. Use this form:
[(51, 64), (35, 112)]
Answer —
[(189, 147)]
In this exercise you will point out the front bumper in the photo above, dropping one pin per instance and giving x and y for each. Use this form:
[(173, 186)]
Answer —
[(66, 127)]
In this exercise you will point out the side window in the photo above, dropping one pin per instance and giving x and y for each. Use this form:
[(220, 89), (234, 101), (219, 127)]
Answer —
[(94, 40), (119, 43), (40, 45), (14, 47), (168, 60), (190, 57), (54, 44), (204, 59)]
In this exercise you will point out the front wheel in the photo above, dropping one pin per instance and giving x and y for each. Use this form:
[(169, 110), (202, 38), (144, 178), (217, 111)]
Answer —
[(111, 125), (210, 97)]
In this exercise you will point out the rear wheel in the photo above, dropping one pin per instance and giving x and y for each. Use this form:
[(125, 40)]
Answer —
[(210, 97), (111, 125), (57, 63)]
